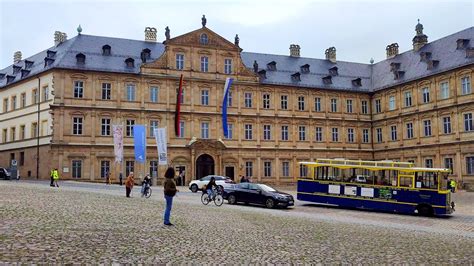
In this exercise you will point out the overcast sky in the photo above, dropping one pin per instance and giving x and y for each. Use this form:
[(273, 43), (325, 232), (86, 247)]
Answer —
[(359, 30)]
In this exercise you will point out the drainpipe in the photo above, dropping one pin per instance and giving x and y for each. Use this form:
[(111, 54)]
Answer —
[(37, 129)]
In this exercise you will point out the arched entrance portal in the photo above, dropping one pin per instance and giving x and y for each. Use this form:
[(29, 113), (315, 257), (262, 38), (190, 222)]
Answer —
[(204, 166)]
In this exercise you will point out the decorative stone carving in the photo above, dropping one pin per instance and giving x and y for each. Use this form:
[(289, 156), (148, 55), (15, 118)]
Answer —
[(167, 33), (203, 21), (236, 40), (150, 34)]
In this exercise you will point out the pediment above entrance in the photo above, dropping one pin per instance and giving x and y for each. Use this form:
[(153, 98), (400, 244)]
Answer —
[(196, 39), (206, 144)]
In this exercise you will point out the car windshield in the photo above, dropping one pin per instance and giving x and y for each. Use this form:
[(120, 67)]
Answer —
[(206, 178), (267, 188)]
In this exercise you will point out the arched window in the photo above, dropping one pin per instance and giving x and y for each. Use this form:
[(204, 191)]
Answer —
[(130, 62), (146, 54), (106, 49), (204, 39), (80, 58)]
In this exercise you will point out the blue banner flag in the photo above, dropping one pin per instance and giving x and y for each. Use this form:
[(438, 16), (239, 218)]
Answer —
[(139, 139), (228, 84)]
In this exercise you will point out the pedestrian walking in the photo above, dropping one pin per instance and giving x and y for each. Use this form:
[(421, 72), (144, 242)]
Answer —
[(51, 175), (120, 178), (107, 178), (169, 191), (56, 177), (129, 182)]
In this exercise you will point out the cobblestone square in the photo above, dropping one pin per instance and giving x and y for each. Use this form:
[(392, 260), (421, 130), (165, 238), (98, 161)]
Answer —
[(95, 223)]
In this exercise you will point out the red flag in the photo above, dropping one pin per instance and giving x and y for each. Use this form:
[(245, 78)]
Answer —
[(177, 128)]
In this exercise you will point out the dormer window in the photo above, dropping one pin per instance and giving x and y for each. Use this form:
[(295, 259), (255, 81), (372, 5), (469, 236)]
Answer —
[(357, 82), (327, 80), (304, 69), (296, 76), (204, 39), (272, 66), (398, 74), (28, 64), (16, 69), (80, 58), (2, 76), (333, 71), (146, 54), (50, 54), (106, 49), (425, 56), (24, 73), (48, 61), (262, 74), (470, 52), (130, 62), (394, 67), (10, 79), (432, 64), (462, 43)]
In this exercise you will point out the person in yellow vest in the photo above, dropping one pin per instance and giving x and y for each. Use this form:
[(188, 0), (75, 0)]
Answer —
[(56, 177), (452, 184), (51, 175)]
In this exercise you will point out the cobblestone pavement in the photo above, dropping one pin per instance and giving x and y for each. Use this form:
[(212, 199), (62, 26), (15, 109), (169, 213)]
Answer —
[(95, 223)]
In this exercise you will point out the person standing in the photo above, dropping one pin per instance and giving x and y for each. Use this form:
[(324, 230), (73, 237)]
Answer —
[(169, 191), (107, 178), (51, 175), (129, 184), (56, 177), (120, 178)]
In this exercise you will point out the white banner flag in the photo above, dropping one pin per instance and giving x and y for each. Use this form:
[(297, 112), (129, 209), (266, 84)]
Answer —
[(160, 137), (118, 142)]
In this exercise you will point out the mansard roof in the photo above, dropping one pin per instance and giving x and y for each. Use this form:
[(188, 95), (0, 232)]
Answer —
[(373, 76)]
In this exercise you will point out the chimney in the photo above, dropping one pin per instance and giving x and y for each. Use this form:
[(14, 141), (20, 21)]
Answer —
[(59, 37), (331, 54), (150, 34), (294, 50), (16, 57), (392, 50)]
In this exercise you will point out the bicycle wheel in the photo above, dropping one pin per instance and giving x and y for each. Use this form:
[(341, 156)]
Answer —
[(218, 200), (148, 192), (205, 199)]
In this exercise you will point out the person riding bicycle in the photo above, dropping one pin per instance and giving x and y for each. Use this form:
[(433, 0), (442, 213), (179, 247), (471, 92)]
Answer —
[(146, 183), (210, 186)]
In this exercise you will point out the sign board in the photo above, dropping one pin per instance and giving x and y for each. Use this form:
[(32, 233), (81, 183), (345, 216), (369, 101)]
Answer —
[(350, 190), (367, 192), (334, 189), (65, 170), (14, 162)]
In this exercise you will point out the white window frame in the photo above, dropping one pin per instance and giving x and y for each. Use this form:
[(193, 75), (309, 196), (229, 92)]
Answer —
[(301, 104), (266, 101), (228, 66), (267, 169), (130, 90), (106, 93), (335, 134), (426, 95), (248, 99), (77, 125), (204, 130), (154, 92), (302, 133), (468, 123), (427, 128), (350, 135), (284, 133), (284, 102), (408, 99), (78, 92), (105, 126), (444, 90), (333, 105), (267, 132), (318, 134), (248, 131), (391, 102), (465, 85), (180, 61), (317, 104), (409, 127), (205, 97), (447, 125), (204, 64), (393, 133)]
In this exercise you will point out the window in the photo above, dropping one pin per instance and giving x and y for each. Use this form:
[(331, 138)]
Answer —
[(106, 91), (154, 94), (426, 95), (180, 61), (333, 105), (317, 104), (284, 132), (391, 103), (301, 103), (34, 130), (285, 169), (267, 169), (13, 102), (77, 125), (129, 167), (408, 99), (447, 125), (129, 128), (105, 127), (429, 163), (35, 96), (427, 127), (365, 135), (468, 126), (350, 135), (229, 99), (13, 134), (181, 100), (248, 99), (230, 131), (267, 132), (410, 130), (284, 102), (379, 135), (205, 130), (153, 168), (204, 97), (335, 134), (378, 106), (470, 165), (466, 85), (76, 168), (393, 130), (248, 169), (319, 134), (448, 164), (248, 131), (22, 158), (204, 64), (227, 66), (349, 106), (444, 90), (22, 132), (45, 93), (78, 89), (130, 92), (303, 170), (23, 100), (153, 124), (302, 133), (266, 101), (5, 105), (365, 108), (104, 168), (5, 135), (181, 129), (203, 39)]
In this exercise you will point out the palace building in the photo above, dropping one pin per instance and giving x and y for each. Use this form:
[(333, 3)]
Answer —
[(61, 103)]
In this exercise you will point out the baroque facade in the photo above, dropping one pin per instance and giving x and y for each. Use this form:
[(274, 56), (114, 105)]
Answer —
[(414, 106)]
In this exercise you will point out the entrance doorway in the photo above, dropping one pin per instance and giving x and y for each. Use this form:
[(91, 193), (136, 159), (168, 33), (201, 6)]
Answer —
[(181, 177), (229, 172), (204, 166)]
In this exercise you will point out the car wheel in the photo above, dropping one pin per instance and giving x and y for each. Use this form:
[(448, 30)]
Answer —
[(194, 188), (232, 199), (270, 203), (425, 210)]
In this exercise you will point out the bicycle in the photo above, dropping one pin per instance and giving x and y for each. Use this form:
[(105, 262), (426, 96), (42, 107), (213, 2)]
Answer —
[(218, 199), (146, 191)]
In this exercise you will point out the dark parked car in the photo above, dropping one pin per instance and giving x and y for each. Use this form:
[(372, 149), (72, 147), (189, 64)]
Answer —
[(4, 173), (258, 194)]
